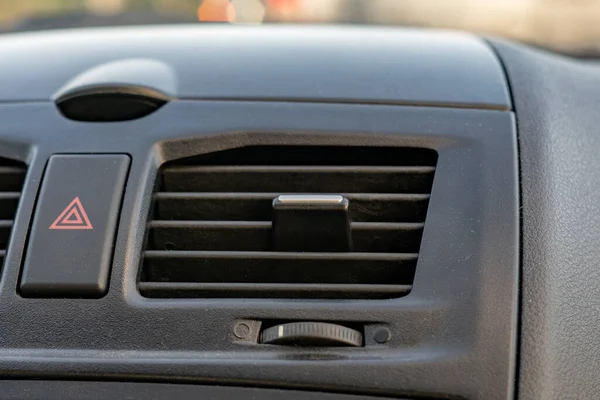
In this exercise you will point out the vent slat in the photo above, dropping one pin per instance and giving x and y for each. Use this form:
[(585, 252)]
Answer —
[(267, 224), (353, 169), (256, 236), (278, 267), (271, 196), (280, 255), (257, 290), (10, 196), (210, 224), (211, 232), (309, 179), (258, 206)]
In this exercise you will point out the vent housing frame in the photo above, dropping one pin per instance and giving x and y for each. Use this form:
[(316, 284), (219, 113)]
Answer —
[(459, 319)]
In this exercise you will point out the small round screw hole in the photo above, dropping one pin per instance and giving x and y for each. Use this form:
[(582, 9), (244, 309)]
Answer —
[(241, 330), (382, 335)]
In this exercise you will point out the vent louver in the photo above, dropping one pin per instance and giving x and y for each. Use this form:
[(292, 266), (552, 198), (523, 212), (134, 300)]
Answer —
[(12, 177), (211, 232)]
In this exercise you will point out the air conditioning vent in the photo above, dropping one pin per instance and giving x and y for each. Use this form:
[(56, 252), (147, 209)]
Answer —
[(12, 177), (211, 233)]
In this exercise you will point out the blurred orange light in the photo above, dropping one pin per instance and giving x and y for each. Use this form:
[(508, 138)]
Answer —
[(216, 11), (284, 6)]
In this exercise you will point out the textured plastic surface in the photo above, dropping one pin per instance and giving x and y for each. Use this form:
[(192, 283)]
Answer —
[(557, 100), (224, 62), (452, 336), (50, 390)]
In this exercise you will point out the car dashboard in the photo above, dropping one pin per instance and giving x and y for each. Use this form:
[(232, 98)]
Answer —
[(268, 211)]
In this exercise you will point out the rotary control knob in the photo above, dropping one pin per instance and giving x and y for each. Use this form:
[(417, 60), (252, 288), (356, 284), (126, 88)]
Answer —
[(312, 334)]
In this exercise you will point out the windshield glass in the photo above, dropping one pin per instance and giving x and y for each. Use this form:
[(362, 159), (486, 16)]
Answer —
[(563, 25)]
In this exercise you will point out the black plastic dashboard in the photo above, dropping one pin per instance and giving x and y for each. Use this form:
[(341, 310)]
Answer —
[(453, 334)]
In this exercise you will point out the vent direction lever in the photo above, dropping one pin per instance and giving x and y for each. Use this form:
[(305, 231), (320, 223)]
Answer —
[(311, 223)]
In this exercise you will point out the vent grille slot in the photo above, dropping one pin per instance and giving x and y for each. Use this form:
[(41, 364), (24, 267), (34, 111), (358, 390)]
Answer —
[(12, 177), (211, 233)]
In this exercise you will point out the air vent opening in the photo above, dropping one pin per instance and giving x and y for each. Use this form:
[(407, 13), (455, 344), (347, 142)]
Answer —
[(12, 178), (211, 230)]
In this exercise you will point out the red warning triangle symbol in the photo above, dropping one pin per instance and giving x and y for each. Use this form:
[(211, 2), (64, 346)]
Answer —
[(72, 217)]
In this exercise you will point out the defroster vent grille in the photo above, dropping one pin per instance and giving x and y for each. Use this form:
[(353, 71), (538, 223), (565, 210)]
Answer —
[(211, 232)]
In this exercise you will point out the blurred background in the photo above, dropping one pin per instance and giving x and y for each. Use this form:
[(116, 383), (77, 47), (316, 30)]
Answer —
[(570, 26)]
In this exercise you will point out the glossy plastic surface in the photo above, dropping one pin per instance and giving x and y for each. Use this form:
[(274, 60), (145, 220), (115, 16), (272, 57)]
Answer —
[(352, 65)]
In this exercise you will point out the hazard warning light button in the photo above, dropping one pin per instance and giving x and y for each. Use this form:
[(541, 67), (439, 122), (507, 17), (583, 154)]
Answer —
[(73, 233)]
